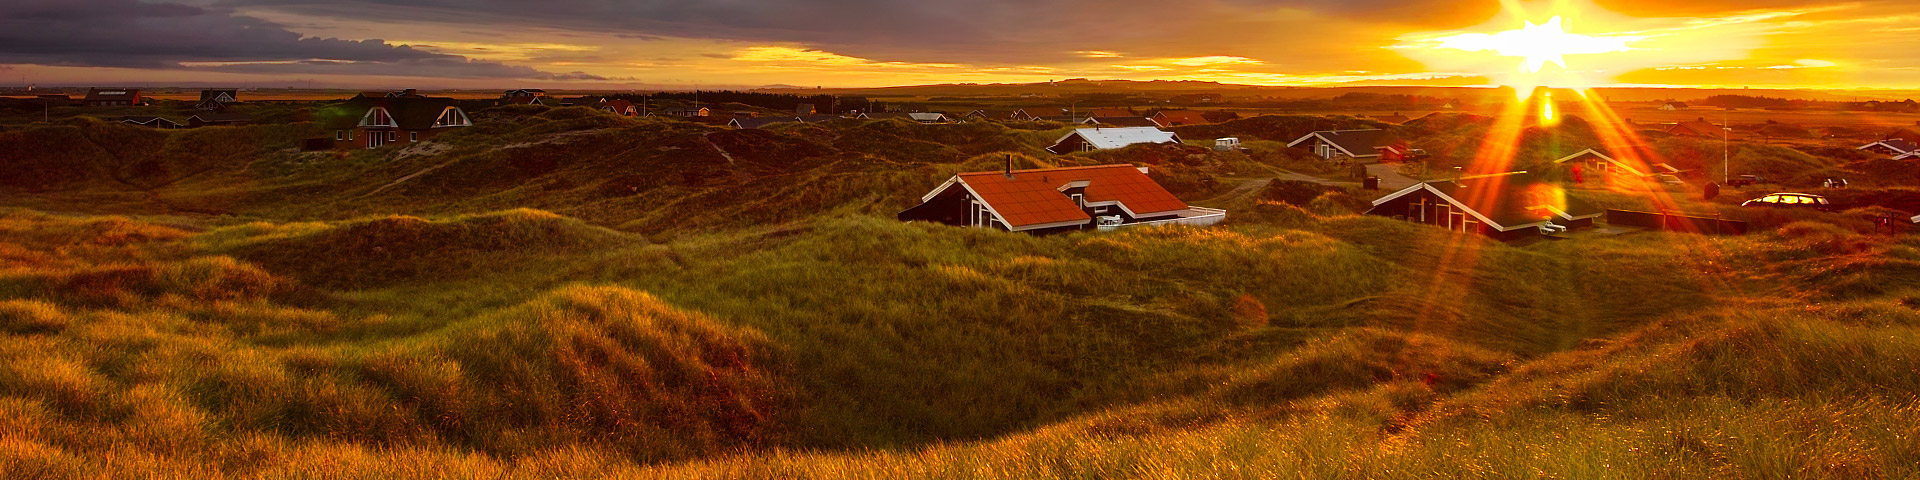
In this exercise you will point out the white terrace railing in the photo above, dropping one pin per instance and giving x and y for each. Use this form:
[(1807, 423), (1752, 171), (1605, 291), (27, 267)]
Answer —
[(1192, 217)]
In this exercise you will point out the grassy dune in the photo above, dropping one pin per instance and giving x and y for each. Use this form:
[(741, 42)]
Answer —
[(161, 350), (522, 313)]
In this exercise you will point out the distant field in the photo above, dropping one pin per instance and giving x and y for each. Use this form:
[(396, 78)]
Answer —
[(290, 95), (1644, 114)]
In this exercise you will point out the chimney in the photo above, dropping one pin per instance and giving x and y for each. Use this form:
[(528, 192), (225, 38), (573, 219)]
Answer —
[(1009, 172)]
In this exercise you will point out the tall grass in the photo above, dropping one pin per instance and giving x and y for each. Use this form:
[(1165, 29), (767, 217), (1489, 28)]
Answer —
[(148, 351), (766, 317)]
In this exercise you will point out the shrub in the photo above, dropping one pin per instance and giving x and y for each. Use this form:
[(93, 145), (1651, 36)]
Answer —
[(1248, 312)]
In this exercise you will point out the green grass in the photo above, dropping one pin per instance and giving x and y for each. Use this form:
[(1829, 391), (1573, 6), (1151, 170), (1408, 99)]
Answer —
[(553, 311)]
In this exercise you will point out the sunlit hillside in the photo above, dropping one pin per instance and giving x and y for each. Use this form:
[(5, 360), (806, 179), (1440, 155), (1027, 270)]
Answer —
[(563, 293)]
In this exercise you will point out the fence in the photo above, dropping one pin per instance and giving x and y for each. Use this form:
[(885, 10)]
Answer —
[(1193, 217), (1676, 223)]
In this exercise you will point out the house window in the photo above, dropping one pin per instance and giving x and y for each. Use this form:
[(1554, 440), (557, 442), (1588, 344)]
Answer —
[(376, 118), (980, 215), (413, 136), (393, 136), (339, 135), (1079, 200), (452, 117)]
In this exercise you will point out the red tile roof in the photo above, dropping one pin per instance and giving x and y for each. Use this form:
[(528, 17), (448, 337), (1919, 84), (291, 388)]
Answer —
[(1169, 118), (1033, 197)]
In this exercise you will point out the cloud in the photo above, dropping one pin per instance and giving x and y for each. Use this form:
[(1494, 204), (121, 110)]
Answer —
[(977, 32), (1214, 60), (135, 34), (878, 42), (575, 76), (795, 56)]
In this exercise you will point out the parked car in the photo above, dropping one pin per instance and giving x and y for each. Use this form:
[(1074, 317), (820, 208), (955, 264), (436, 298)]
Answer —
[(1230, 144), (1668, 179), (1745, 180), (1791, 200)]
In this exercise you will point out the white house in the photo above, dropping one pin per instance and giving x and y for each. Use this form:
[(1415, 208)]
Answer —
[(1089, 139)]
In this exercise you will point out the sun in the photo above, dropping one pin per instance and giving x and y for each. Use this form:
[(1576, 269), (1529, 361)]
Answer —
[(1537, 45), (1517, 52)]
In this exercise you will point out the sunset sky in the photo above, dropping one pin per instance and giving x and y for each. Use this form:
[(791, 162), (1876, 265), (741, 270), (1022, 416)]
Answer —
[(856, 43)]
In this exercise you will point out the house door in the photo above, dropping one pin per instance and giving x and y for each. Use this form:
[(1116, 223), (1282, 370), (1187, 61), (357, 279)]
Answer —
[(376, 139)]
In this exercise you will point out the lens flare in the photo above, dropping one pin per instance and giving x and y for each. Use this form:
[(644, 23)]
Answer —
[(1537, 45), (1546, 108)]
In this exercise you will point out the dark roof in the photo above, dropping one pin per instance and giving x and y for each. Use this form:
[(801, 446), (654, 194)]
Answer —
[(1507, 202), (1181, 116), (1359, 143), (210, 94), (749, 122), (409, 93), (1696, 127), (410, 113), (221, 117), (1124, 121), (112, 93), (1033, 197), (1639, 158), (147, 119), (1902, 145)]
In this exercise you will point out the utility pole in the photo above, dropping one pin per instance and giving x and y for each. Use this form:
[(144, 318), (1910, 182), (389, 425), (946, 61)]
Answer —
[(1727, 158)]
